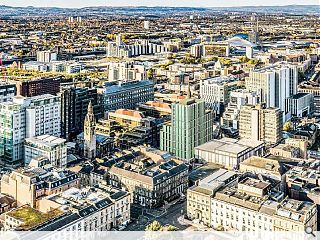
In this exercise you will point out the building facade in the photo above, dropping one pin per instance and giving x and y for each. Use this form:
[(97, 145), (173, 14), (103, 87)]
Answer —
[(274, 84), (53, 148), (7, 92), (229, 152), (191, 125), (29, 185), (126, 94), (39, 86), (260, 123), (74, 106)]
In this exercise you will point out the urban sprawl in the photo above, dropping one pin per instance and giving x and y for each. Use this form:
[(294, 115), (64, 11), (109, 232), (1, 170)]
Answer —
[(159, 121)]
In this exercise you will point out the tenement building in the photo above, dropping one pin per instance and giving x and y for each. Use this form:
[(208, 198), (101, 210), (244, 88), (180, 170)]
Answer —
[(29, 185), (150, 178)]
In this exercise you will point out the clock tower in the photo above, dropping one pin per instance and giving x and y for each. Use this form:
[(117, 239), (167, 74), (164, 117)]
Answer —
[(89, 134)]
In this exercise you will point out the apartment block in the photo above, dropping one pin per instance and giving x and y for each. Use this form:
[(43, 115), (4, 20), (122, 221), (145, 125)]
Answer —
[(126, 71)]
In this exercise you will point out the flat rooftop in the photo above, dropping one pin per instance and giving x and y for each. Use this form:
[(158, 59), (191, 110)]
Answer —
[(47, 140), (229, 145), (255, 183)]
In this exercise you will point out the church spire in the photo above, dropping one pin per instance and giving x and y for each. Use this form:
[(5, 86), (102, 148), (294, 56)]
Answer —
[(90, 108)]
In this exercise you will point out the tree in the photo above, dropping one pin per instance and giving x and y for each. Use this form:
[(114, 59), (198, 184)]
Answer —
[(287, 126), (171, 228), (244, 59), (149, 73), (154, 226)]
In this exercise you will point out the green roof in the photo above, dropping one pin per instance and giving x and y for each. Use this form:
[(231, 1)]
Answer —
[(32, 217)]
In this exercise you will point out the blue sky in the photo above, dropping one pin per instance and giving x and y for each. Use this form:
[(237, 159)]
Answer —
[(193, 3)]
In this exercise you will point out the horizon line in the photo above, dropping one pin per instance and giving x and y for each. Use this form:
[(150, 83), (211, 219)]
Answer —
[(156, 6)]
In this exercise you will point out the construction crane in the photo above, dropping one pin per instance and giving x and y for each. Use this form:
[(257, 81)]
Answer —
[(3, 70)]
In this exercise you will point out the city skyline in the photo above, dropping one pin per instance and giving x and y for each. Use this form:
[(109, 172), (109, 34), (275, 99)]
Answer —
[(152, 3)]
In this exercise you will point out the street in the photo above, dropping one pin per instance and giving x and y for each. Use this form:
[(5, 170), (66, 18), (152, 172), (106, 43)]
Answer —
[(165, 217)]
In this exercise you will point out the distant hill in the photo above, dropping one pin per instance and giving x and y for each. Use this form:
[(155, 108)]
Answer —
[(8, 11)]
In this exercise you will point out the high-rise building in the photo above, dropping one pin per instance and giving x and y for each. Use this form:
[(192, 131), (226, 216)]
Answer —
[(89, 136), (42, 115), (126, 94), (12, 132), (191, 125), (46, 56), (216, 92), (260, 123), (24, 118), (274, 84), (74, 106), (237, 99), (197, 50)]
